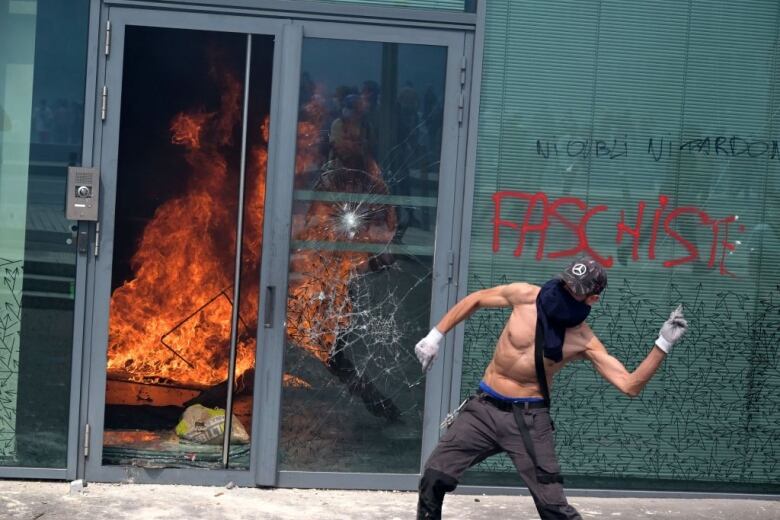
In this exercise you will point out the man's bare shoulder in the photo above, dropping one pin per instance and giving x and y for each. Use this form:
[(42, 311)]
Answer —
[(521, 293), (583, 337)]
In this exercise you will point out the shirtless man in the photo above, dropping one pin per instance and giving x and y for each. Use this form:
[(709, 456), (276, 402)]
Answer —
[(511, 409)]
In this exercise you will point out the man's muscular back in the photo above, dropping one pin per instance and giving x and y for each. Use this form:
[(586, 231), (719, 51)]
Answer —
[(512, 371)]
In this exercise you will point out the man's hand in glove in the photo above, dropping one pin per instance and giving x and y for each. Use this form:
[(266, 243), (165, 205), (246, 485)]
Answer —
[(428, 348), (672, 330)]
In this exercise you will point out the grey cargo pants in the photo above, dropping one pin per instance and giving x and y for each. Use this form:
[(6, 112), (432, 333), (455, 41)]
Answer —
[(483, 429)]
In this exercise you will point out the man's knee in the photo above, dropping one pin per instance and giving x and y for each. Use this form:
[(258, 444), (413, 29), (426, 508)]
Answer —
[(437, 481), (433, 486)]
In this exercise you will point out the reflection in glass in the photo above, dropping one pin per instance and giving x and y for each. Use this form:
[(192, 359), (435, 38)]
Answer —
[(174, 247), (366, 184), (41, 117)]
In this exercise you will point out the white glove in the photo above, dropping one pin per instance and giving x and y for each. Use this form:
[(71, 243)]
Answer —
[(428, 348), (672, 330)]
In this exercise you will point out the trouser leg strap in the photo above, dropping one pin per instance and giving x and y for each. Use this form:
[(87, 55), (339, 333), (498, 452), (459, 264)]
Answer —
[(541, 475)]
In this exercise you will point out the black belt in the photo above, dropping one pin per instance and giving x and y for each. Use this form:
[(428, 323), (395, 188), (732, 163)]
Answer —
[(508, 406)]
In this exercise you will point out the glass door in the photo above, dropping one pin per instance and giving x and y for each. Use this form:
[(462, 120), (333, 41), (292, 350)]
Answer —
[(185, 155), (371, 222), (180, 172)]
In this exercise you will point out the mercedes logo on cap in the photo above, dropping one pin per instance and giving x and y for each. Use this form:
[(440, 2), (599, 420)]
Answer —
[(579, 269)]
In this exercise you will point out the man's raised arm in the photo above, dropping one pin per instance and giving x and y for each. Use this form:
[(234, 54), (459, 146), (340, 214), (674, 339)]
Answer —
[(632, 383), (427, 349)]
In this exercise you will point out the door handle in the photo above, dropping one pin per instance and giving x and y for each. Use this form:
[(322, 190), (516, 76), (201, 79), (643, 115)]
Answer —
[(82, 239), (270, 293)]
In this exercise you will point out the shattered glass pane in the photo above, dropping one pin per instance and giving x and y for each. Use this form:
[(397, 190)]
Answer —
[(363, 229)]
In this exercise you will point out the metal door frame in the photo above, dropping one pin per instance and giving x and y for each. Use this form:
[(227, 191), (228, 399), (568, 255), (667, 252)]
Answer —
[(453, 31)]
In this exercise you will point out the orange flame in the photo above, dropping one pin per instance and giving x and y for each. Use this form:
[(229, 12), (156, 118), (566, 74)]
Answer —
[(319, 306), (171, 322)]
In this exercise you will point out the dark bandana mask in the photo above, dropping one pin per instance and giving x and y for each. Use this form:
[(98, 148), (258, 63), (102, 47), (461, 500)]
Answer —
[(557, 310)]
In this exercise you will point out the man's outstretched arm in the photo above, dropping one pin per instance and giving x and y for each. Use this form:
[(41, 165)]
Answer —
[(632, 383), (501, 296)]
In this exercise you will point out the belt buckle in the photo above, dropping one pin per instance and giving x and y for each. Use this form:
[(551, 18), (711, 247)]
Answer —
[(527, 406)]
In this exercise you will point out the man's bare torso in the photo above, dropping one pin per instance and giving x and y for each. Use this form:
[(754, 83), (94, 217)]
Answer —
[(512, 371)]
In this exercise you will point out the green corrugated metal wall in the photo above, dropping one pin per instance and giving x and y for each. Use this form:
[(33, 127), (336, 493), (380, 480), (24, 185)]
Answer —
[(447, 5), (615, 104)]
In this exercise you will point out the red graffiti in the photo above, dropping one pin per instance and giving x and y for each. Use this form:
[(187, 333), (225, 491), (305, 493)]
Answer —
[(540, 213)]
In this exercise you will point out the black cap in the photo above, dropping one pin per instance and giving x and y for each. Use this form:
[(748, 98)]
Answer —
[(585, 277)]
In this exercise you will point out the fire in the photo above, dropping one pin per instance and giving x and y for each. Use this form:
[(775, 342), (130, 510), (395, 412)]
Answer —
[(171, 322), (319, 306)]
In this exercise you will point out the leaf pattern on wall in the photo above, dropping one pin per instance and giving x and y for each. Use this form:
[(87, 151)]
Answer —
[(710, 414), (10, 320)]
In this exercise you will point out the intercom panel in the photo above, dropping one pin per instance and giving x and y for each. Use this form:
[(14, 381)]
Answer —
[(83, 191)]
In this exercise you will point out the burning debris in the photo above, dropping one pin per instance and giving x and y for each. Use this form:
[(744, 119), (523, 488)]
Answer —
[(170, 324)]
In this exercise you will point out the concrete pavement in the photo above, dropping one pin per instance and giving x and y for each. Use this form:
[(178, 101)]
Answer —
[(31, 500)]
